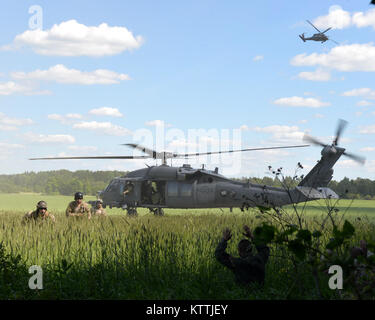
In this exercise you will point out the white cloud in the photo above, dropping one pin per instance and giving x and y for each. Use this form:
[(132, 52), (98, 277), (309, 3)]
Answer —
[(182, 143), (73, 116), (103, 127), (347, 164), (65, 119), (7, 128), (71, 38), (258, 58), (6, 146), (282, 133), (301, 102), (105, 111), (337, 18), (347, 58), (7, 149), (367, 149), (157, 123), (50, 138), (367, 129), (83, 148), (11, 87), (317, 75), (318, 116), (364, 103), (4, 120), (370, 165), (364, 19), (365, 92), (61, 74), (276, 129)]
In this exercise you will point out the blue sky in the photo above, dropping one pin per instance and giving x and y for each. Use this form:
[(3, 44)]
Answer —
[(96, 75)]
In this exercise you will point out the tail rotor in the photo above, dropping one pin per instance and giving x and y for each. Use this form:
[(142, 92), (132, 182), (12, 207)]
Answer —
[(334, 146)]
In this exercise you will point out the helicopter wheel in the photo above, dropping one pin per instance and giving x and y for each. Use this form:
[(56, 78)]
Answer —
[(132, 212)]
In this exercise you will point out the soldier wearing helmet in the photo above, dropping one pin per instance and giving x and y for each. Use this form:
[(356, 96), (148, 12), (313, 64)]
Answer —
[(40, 213), (98, 210), (78, 208)]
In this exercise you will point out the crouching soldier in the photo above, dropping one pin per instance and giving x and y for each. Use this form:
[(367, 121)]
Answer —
[(249, 267), (40, 214), (98, 210), (78, 208)]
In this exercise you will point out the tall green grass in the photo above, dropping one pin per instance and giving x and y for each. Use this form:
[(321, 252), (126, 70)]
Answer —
[(144, 257)]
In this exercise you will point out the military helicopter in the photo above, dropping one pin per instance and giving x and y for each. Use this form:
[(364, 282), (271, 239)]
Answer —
[(317, 36), (159, 187)]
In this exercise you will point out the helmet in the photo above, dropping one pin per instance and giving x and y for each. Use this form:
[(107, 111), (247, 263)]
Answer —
[(41, 205), (78, 195)]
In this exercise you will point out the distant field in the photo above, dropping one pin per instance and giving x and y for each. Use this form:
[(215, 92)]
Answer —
[(23, 202)]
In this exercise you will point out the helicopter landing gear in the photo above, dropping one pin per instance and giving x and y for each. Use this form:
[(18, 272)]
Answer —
[(157, 211), (132, 212)]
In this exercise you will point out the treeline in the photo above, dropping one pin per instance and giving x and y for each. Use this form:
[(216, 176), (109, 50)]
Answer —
[(61, 182), (66, 182)]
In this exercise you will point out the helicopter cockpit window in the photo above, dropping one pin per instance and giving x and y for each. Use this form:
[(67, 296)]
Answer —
[(114, 186)]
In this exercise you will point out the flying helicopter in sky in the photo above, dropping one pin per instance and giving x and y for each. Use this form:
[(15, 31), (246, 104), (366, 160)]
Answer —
[(160, 187), (317, 36)]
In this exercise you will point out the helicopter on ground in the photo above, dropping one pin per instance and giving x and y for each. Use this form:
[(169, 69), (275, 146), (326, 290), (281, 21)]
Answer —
[(317, 36), (160, 187)]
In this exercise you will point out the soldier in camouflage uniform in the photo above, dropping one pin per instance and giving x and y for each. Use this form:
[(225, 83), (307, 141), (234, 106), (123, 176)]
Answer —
[(39, 214), (78, 208), (98, 209), (248, 268)]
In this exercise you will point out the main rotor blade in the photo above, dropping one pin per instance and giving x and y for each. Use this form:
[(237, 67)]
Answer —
[(313, 25), (359, 159), (340, 128), (327, 30), (313, 140), (150, 152), (94, 157), (231, 151)]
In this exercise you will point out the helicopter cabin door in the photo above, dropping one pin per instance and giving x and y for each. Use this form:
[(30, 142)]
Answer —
[(130, 192)]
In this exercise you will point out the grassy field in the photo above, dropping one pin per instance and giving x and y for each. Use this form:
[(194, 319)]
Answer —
[(23, 202), (146, 257)]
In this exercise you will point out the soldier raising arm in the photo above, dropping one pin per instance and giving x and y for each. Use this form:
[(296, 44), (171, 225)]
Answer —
[(248, 268)]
